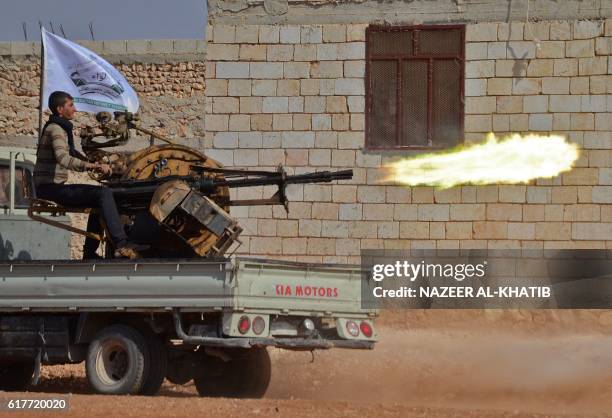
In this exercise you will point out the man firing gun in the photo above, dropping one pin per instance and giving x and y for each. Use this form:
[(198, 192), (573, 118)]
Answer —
[(56, 155)]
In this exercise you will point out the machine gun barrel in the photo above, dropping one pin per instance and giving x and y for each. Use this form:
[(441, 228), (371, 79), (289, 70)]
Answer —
[(318, 177), (137, 194)]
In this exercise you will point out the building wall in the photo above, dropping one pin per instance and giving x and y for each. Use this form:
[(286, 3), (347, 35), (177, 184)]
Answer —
[(294, 95), (167, 75)]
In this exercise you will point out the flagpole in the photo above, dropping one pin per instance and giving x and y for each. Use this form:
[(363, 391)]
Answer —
[(42, 77)]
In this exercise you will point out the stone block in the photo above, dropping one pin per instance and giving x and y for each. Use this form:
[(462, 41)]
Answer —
[(587, 29), (185, 46), (288, 88), (216, 87), (476, 51), (252, 52), (314, 104), (512, 31), (222, 52), (496, 50), (351, 51), (478, 123), (214, 123), (565, 67), (269, 34), (341, 158), (553, 231), (524, 86), (467, 212), (326, 69), (475, 87), (290, 34), (511, 68), (321, 122), (535, 104), (266, 70), (564, 103), (224, 34), (355, 32), (521, 50), (305, 53), (551, 49), (237, 87), (298, 139), (520, 230), (275, 105), (251, 105), (480, 69), (580, 49), (504, 212), (232, 70), (296, 70), (499, 86), (334, 33), (561, 31), (592, 66), (481, 32), (490, 230), (582, 121), (541, 122), (540, 68), (377, 212), (325, 211), (414, 230), (263, 87), (327, 52), (349, 86), (509, 104), (280, 52), (225, 105), (537, 31), (247, 34), (603, 46), (350, 212)]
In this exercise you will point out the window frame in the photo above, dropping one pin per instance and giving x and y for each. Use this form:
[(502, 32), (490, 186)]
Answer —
[(27, 183), (430, 58)]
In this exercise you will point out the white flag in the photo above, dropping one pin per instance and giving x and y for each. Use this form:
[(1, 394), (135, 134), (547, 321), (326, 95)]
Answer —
[(94, 84)]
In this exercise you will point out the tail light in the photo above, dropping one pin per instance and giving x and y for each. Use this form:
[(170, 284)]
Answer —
[(244, 324), (366, 329), (258, 325), (352, 328)]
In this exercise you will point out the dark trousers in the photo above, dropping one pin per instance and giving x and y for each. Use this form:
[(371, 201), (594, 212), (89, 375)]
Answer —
[(88, 196)]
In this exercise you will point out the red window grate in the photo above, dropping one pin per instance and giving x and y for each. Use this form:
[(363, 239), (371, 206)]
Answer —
[(414, 86)]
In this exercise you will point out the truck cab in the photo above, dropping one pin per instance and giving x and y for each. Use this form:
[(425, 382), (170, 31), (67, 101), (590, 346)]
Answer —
[(22, 238)]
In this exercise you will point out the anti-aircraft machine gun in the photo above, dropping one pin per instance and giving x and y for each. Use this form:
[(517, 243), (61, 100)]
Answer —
[(175, 198)]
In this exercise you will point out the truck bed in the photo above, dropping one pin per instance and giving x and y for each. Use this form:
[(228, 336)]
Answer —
[(242, 284)]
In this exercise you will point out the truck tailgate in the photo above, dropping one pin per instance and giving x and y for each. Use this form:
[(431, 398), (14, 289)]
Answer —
[(298, 288)]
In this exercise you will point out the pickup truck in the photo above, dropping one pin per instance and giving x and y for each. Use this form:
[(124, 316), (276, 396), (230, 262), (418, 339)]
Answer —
[(136, 322)]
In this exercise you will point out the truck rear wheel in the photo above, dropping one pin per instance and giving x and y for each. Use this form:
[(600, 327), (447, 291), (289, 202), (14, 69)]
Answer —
[(156, 367), (16, 376), (116, 360), (246, 375)]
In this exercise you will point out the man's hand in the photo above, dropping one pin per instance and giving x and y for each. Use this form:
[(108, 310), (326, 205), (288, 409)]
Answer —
[(101, 168)]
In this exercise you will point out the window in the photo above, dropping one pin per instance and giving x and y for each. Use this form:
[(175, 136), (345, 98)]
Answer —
[(23, 180), (414, 86)]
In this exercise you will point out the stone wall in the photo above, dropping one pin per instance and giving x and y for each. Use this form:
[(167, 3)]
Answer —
[(168, 76), (294, 95)]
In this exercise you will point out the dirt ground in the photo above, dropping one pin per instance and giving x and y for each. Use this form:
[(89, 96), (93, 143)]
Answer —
[(426, 364)]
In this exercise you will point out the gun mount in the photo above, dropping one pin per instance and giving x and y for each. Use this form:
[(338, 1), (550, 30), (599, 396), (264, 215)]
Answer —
[(175, 198)]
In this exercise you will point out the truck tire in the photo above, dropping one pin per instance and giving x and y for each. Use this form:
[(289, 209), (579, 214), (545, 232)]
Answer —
[(116, 360), (180, 369), (246, 375), (156, 367), (16, 376)]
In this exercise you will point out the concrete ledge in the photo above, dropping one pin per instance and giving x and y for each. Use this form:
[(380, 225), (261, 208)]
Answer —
[(115, 48)]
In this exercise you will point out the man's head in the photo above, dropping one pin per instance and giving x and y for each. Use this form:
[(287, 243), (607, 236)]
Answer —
[(62, 104)]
